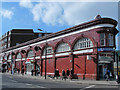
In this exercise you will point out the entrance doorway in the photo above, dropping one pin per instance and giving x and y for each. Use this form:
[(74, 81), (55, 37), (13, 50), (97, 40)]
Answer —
[(102, 70), (29, 68)]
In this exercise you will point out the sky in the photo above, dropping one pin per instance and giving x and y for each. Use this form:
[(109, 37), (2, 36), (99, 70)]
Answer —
[(53, 16)]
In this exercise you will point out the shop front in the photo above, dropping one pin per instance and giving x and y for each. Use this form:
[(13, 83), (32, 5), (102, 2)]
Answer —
[(29, 66), (106, 61)]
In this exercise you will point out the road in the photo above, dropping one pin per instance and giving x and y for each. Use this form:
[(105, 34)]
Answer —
[(16, 82)]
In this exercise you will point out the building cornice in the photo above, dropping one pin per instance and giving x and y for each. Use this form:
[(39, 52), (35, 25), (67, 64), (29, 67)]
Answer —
[(68, 30)]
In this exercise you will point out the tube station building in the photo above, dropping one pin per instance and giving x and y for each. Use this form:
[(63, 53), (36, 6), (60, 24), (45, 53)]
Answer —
[(88, 49)]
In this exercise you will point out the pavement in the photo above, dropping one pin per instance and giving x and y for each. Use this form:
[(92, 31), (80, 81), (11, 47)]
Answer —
[(78, 81)]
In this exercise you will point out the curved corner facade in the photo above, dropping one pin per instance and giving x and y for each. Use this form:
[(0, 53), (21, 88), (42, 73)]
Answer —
[(88, 48)]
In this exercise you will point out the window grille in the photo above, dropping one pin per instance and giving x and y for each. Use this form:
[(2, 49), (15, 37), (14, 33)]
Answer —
[(63, 47), (110, 39), (83, 43), (18, 56), (30, 53), (49, 50), (102, 39)]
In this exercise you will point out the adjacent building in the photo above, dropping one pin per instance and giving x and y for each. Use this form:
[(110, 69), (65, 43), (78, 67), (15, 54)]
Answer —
[(18, 36), (88, 49)]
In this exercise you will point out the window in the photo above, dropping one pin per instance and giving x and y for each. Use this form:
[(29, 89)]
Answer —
[(83, 43), (30, 53), (5, 57), (102, 39), (9, 45), (40, 35), (49, 50), (110, 39), (63, 47), (9, 57), (18, 56), (17, 43), (9, 38)]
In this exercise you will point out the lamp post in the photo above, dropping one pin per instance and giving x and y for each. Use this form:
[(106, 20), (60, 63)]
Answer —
[(45, 52), (117, 68), (97, 63), (12, 62), (37, 48)]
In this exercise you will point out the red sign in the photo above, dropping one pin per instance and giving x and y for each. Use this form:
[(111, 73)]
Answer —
[(28, 60)]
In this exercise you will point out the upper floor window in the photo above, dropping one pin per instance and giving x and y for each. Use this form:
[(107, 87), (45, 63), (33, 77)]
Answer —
[(62, 47), (102, 39), (110, 39), (83, 43), (49, 50), (30, 53), (18, 56), (9, 57)]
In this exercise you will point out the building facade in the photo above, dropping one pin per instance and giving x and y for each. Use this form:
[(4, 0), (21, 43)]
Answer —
[(18, 36), (87, 48)]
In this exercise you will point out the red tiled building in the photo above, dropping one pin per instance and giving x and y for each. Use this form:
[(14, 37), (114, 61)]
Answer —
[(87, 48)]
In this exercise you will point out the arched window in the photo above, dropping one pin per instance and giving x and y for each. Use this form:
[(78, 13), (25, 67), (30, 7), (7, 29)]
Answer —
[(9, 57), (5, 57), (30, 53), (83, 43), (18, 56), (49, 50), (62, 47)]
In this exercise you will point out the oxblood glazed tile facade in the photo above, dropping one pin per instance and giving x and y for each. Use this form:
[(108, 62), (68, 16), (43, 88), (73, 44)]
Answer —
[(80, 47)]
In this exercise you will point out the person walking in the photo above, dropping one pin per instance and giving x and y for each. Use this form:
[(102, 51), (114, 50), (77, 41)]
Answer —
[(63, 74), (68, 72), (107, 74)]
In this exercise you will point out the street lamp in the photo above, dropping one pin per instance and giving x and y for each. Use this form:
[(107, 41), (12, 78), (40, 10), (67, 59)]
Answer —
[(45, 51), (37, 48), (12, 62), (117, 68)]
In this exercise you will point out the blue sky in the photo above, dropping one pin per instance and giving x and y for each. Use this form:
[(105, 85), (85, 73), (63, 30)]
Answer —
[(53, 16)]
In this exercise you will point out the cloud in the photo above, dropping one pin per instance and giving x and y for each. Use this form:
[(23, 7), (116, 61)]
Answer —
[(49, 13), (67, 13), (59, 13), (6, 13), (26, 3)]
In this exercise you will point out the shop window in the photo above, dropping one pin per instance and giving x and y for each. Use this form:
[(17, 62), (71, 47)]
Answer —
[(110, 39), (49, 50), (83, 43), (18, 56), (30, 53), (102, 39), (63, 47)]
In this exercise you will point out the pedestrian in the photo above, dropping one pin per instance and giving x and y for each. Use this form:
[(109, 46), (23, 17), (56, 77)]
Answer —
[(32, 71), (57, 73), (22, 70), (71, 71), (18, 70), (107, 74), (67, 72), (63, 74)]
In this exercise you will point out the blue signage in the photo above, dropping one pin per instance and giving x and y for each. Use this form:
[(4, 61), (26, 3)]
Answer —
[(105, 49)]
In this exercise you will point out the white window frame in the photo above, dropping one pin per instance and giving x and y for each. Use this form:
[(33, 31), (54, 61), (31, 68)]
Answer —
[(30, 53), (63, 47), (49, 50), (110, 39), (83, 43), (18, 56), (102, 38)]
